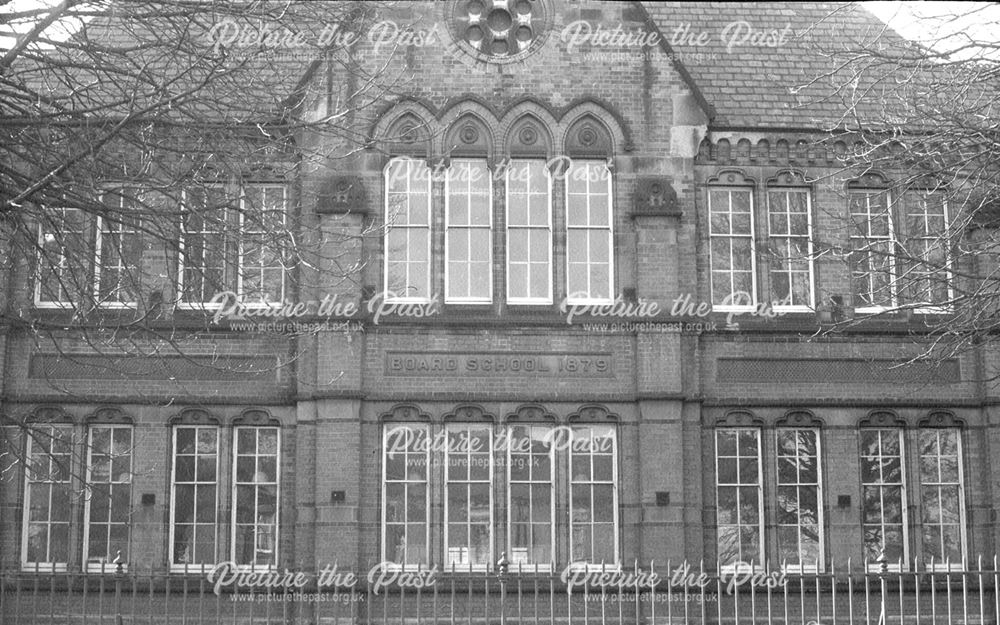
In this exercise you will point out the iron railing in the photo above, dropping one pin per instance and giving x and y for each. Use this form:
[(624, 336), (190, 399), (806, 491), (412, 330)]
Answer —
[(668, 593)]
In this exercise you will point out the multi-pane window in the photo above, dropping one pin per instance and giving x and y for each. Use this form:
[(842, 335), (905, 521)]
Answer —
[(739, 496), (731, 247), (194, 494), (45, 542), (942, 496), (119, 249), (871, 242), (255, 496), (530, 495), (790, 256), (408, 230), (261, 258), (589, 236), (925, 277), (204, 268), (593, 495), (468, 238), (469, 496), (108, 495), (405, 495), (232, 239), (529, 233), (799, 505), (483, 511), (883, 514), (62, 242)]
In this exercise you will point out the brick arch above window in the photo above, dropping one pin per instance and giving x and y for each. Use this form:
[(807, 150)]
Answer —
[(882, 419), (194, 416), (49, 414), (789, 178), (404, 412), (869, 180), (799, 419), (732, 177), (109, 414), (405, 129), (588, 137), (604, 114), (469, 413), (593, 413), (468, 136), (531, 413), (528, 136), (739, 418), (257, 417), (941, 419)]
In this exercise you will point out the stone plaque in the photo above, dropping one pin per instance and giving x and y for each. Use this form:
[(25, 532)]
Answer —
[(499, 364)]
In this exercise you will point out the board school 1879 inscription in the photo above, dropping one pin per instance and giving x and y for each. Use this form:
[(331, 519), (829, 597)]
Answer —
[(485, 364)]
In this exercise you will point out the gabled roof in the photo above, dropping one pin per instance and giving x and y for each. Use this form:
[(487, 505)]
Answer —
[(763, 86)]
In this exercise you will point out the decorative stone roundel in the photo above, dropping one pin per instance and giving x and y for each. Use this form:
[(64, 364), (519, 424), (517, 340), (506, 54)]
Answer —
[(499, 31), (528, 135), (408, 134), (588, 136), (468, 134)]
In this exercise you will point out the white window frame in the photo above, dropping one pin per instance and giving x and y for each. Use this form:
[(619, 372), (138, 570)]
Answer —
[(932, 308), (547, 229), (527, 563), (614, 483), (204, 304), (61, 269), (758, 561), (241, 266), (963, 537), (749, 190), (468, 565), (193, 567), (35, 430), (119, 196), (236, 483), (468, 229), (106, 566), (889, 240), (389, 559), (820, 564), (893, 565), (609, 229), (410, 162), (811, 305)]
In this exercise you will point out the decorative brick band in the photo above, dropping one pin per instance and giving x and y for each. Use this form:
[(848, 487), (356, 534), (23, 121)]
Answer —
[(813, 370), (201, 368)]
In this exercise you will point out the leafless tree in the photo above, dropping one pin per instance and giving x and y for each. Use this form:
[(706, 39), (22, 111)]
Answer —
[(150, 154), (921, 124)]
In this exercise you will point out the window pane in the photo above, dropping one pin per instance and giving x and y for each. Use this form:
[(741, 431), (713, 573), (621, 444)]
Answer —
[(731, 245), (738, 495), (407, 229), (942, 497), (883, 515), (404, 513), (47, 496), (799, 500), (194, 515), (589, 251), (594, 494), (529, 232)]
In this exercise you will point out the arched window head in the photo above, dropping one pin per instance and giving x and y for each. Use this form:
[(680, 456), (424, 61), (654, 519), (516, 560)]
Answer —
[(588, 137)]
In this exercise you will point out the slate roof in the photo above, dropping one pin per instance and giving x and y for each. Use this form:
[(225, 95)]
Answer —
[(745, 85), (757, 86)]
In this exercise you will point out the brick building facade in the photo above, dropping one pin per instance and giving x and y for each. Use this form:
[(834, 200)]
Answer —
[(650, 173)]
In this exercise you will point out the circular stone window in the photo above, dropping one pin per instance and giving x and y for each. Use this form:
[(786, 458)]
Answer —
[(499, 31)]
